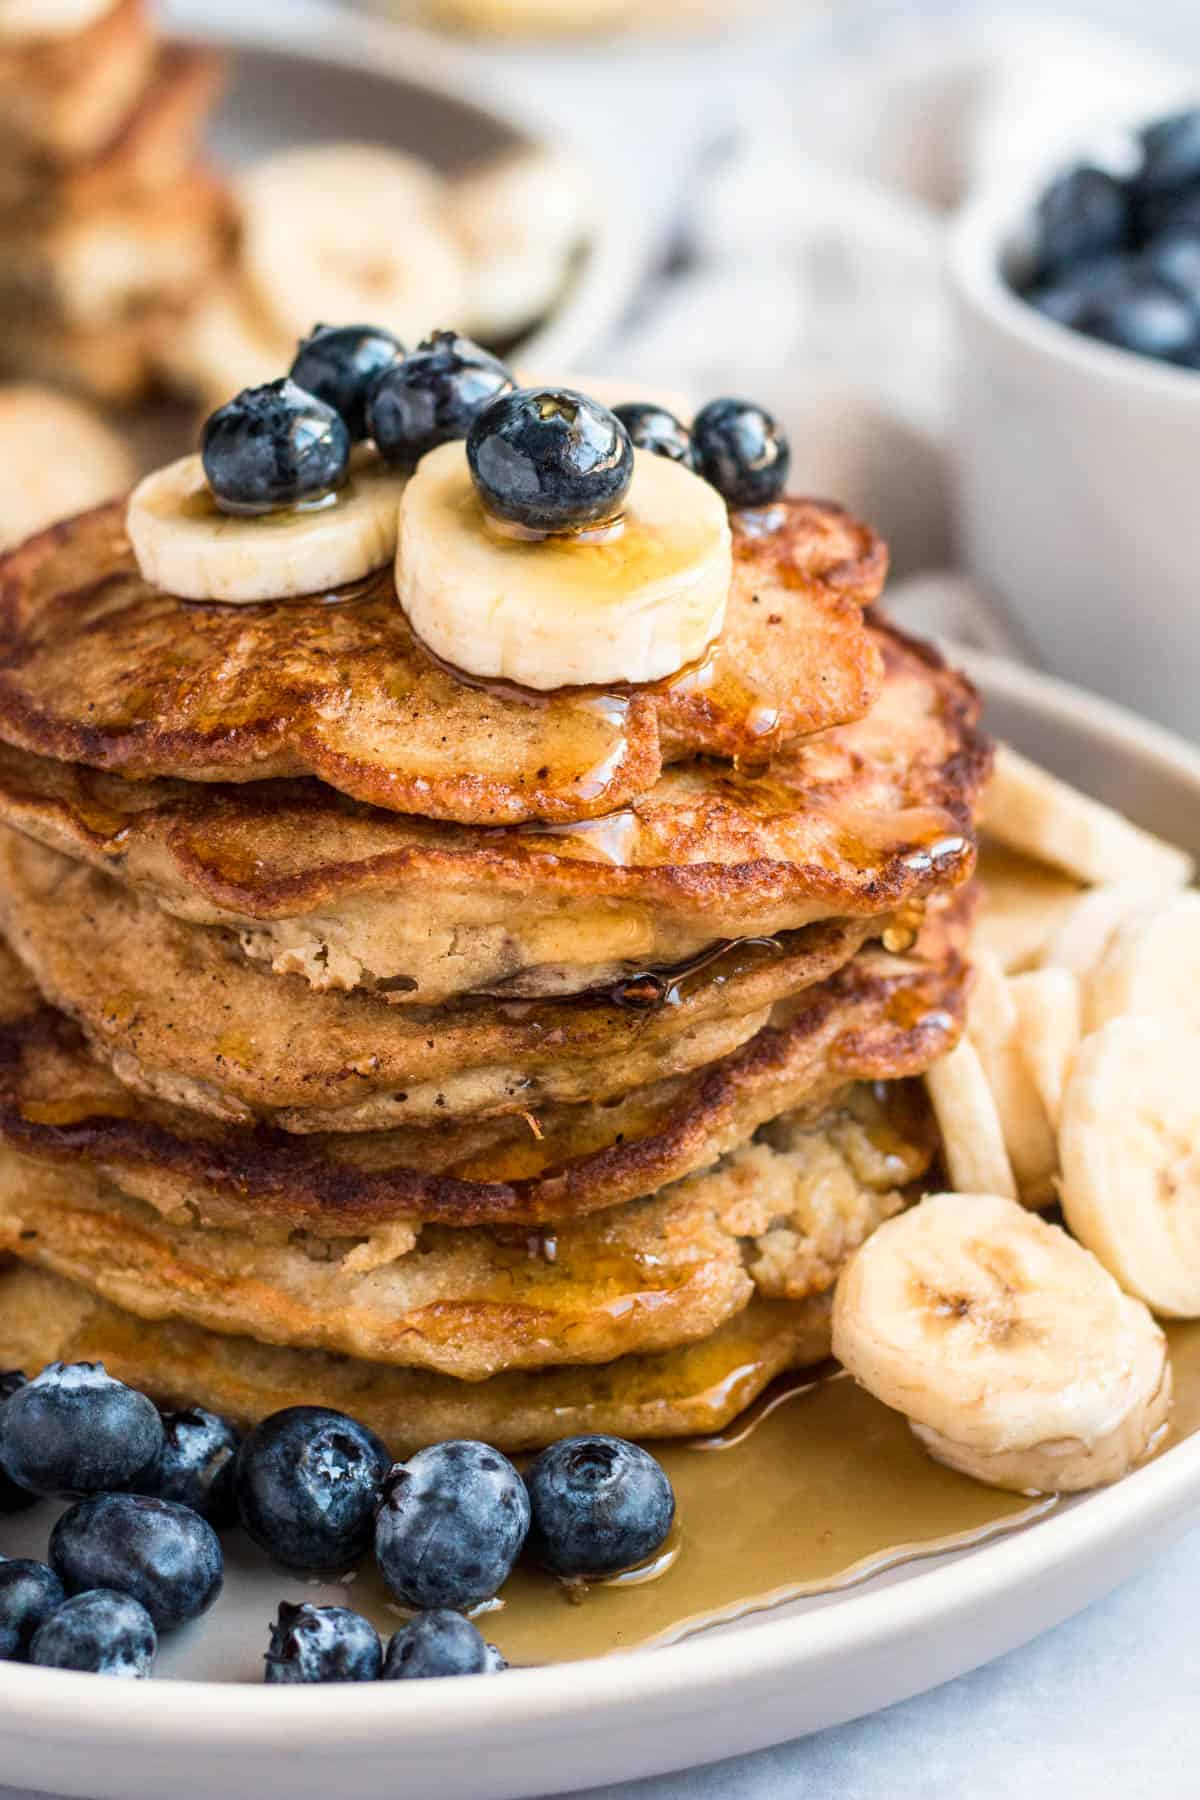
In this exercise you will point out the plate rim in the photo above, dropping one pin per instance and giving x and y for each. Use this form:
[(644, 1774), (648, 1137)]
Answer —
[(710, 1669)]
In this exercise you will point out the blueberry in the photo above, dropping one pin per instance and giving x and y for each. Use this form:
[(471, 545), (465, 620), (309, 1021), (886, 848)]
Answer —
[(1068, 296), (102, 1633), (322, 1643), (451, 1525), (163, 1554), (1175, 262), (307, 1482), (29, 1593), (550, 459), (74, 1430), (433, 396), (273, 447), (741, 451), (1170, 152), (1169, 213), (339, 364), (13, 1499), (440, 1643), (598, 1504), (654, 428), (197, 1464), (1148, 319), (1084, 213)]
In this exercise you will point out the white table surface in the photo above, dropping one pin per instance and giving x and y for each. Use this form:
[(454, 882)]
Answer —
[(1107, 1705)]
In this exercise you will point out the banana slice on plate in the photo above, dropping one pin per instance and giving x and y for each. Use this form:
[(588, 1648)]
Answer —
[(1049, 1005), (560, 612), (993, 1027), (1033, 811), (185, 545), (343, 233), (1130, 1147), (1014, 1355), (59, 457), (519, 219), (1086, 927), (1147, 965), (969, 1124)]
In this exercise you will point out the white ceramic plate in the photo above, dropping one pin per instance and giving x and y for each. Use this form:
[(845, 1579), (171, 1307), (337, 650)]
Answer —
[(768, 1678)]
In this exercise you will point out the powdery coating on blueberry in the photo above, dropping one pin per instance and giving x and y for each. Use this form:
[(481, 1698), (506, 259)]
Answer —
[(272, 447), (598, 1505), (1170, 152), (451, 1526), (440, 1643), (29, 1593), (655, 429), (1148, 318), (101, 1633), (433, 396), (307, 1482), (340, 363), (163, 1555), (550, 459), (322, 1643), (74, 1430), (199, 1451), (12, 1498), (1085, 212), (741, 451)]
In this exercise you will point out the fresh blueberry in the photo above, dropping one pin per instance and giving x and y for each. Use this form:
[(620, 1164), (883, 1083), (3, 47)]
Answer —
[(741, 451), (451, 1525), (322, 1643), (13, 1499), (164, 1555), (1170, 213), (101, 1632), (550, 459), (340, 363), (1170, 152), (74, 1430), (273, 447), (307, 1482), (1068, 297), (1085, 212), (1174, 260), (654, 428), (1148, 319), (29, 1593), (433, 396), (440, 1643), (197, 1464), (598, 1505)]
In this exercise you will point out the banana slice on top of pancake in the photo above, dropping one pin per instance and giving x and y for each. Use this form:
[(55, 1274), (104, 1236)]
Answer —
[(1013, 1353)]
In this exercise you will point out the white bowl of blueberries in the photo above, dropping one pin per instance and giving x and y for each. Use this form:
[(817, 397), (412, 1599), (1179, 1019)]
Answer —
[(1078, 419)]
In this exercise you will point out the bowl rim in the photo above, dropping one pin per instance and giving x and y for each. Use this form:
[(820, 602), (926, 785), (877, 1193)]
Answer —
[(712, 1669), (986, 226)]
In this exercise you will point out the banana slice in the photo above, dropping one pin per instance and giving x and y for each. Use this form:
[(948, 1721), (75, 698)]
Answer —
[(1049, 1007), (1145, 966), (185, 545), (60, 458), (223, 343), (1130, 1146), (519, 220), (1085, 929), (562, 611), (1032, 811), (993, 1028), (338, 233), (972, 1136), (1015, 1356)]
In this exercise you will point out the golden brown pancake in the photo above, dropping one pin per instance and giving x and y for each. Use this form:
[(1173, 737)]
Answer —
[(98, 667), (880, 1017), (856, 822), (180, 1013), (62, 98), (675, 1394), (778, 1217)]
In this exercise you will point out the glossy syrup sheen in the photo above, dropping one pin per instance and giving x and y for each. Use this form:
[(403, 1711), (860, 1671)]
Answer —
[(816, 1488)]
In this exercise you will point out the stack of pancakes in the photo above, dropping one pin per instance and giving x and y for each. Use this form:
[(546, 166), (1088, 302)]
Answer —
[(482, 1062), (109, 217)]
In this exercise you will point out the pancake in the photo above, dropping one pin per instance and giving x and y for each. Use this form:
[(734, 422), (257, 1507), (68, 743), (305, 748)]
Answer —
[(880, 1017), (778, 1217), (98, 667), (675, 1394), (114, 364), (180, 1013), (63, 98), (857, 822)]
